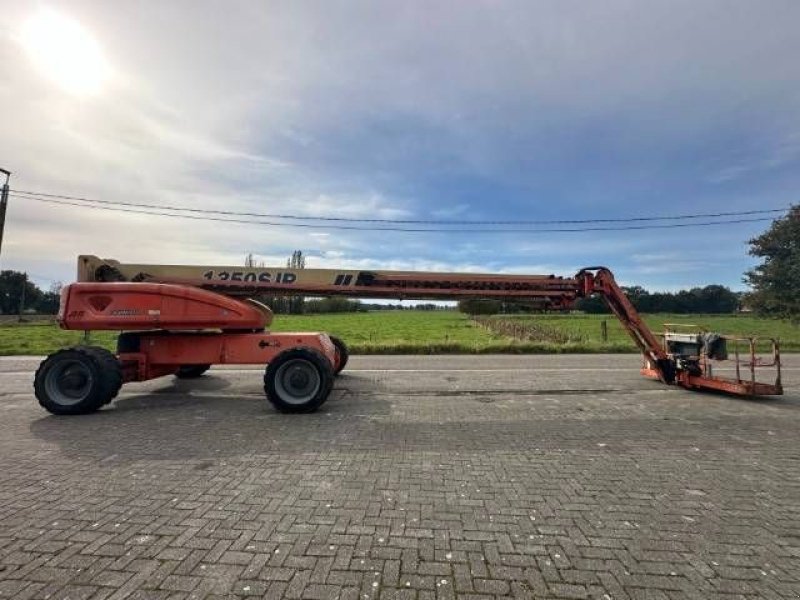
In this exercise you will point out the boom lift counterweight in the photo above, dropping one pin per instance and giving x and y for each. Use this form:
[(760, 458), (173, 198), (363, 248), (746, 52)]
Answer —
[(182, 319)]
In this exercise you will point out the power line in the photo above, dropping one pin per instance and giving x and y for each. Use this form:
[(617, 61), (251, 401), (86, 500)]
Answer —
[(404, 229), (41, 195)]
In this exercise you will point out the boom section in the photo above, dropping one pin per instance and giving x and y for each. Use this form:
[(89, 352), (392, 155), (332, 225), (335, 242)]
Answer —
[(600, 281), (548, 291)]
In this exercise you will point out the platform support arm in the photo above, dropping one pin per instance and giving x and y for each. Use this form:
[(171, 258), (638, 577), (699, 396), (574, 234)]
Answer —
[(600, 281)]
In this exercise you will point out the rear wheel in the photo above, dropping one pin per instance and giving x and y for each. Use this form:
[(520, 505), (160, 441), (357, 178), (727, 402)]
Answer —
[(77, 380), (191, 371), (298, 380), (342, 354)]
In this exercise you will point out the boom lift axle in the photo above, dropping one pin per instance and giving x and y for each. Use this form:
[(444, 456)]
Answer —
[(182, 319)]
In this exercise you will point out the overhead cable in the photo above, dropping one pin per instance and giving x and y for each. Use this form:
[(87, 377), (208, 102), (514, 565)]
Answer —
[(382, 228), (296, 217)]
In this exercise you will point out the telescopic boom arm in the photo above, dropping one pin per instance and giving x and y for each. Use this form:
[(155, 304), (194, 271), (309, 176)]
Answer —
[(548, 290)]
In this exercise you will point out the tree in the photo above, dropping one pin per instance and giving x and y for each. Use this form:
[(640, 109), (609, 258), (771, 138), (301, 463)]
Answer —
[(280, 304), (49, 300), (296, 303), (17, 293), (334, 304), (717, 299), (477, 306), (593, 305), (709, 299), (776, 281)]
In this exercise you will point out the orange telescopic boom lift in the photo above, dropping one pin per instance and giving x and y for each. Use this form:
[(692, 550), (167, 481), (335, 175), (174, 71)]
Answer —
[(179, 320)]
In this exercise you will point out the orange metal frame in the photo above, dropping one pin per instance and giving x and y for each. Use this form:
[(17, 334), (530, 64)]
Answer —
[(161, 353), (179, 325)]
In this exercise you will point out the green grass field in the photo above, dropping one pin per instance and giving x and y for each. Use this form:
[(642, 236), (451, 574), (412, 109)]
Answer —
[(367, 333), (435, 332), (585, 330)]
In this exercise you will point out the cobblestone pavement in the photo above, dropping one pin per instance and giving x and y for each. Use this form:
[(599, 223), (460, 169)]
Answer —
[(432, 477)]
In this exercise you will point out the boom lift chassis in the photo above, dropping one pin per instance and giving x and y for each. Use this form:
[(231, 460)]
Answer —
[(179, 320)]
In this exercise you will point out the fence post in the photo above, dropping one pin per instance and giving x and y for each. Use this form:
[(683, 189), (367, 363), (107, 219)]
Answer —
[(604, 330)]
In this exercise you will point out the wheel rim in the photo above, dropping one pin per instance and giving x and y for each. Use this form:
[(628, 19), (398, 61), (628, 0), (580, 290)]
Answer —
[(297, 381), (69, 382)]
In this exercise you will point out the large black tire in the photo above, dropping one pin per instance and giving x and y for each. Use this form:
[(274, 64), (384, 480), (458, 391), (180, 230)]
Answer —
[(77, 380), (342, 354), (191, 371), (299, 380)]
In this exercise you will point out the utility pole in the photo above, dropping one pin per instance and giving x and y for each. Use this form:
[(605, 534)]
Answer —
[(3, 205)]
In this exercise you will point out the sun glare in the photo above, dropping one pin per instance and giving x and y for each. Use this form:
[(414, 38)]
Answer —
[(65, 52)]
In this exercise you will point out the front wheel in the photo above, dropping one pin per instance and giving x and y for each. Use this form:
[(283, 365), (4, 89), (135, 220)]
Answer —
[(298, 380), (77, 380)]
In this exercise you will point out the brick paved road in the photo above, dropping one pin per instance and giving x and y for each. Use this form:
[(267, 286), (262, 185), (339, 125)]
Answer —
[(545, 477)]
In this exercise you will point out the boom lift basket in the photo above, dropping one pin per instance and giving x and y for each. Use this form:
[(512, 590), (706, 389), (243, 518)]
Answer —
[(700, 355)]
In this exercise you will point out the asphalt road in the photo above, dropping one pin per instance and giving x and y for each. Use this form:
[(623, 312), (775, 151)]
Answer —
[(422, 477)]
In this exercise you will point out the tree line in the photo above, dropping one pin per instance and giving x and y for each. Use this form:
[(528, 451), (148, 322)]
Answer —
[(711, 299), (19, 295)]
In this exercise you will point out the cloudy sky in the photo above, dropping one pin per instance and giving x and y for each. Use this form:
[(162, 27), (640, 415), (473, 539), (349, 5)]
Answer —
[(415, 110)]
